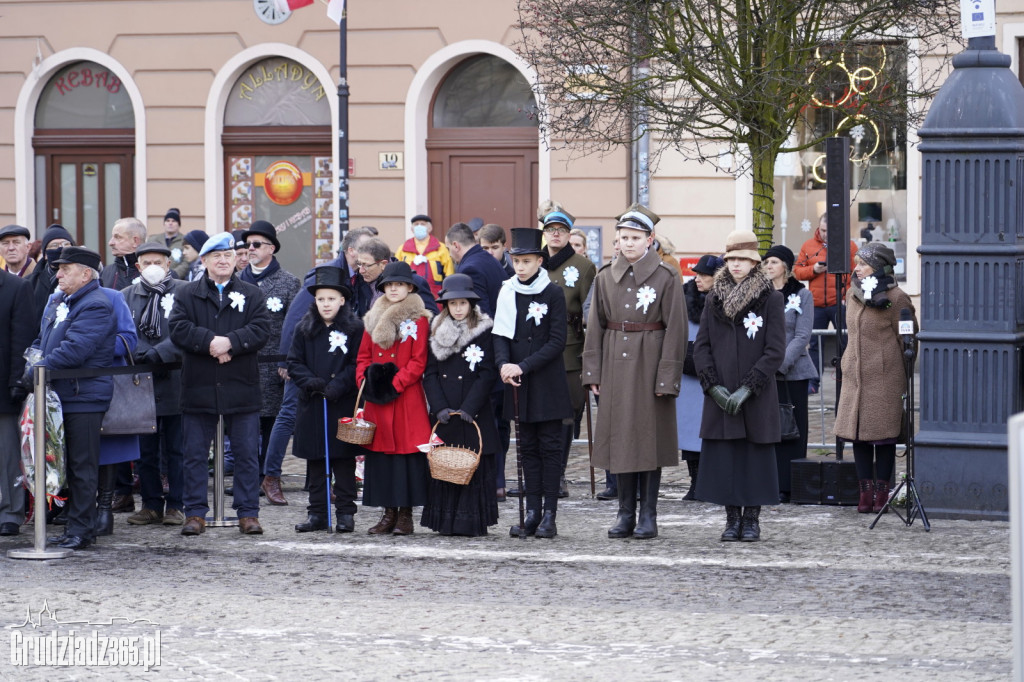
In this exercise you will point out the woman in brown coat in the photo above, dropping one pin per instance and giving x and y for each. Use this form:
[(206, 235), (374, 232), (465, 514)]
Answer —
[(870, 410)]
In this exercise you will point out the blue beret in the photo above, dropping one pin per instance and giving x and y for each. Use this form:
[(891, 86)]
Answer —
[(222, 241)]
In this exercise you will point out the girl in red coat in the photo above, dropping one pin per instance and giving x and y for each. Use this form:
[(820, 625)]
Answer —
[(392, 359)]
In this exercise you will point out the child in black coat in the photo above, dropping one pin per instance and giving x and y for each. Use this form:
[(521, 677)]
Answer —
[(322, 363)]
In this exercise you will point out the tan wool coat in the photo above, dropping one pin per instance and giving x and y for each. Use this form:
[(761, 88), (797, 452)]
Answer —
[(874, 379), (636, 429)]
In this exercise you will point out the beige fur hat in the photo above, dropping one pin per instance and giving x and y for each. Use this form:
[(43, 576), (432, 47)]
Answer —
[(742, 244)]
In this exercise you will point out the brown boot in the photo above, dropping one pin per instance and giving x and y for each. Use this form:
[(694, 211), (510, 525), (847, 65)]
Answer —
[(194, 525), (403, 526), (386, 523), (272, 487), (867, 496), (881, 495), (249, 525)]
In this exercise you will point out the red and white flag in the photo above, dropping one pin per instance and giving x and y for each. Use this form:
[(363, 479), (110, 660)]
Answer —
[(336, 10), (291, 5)]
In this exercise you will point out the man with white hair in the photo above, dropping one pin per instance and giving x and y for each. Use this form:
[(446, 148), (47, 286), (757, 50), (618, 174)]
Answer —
[(77, 331), (125, 237)]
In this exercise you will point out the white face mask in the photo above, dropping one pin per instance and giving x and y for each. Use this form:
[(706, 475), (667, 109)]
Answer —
[(153, 274), (419, 230)]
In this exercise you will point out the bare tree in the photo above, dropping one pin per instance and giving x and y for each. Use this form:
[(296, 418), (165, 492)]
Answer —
[(755, 77)]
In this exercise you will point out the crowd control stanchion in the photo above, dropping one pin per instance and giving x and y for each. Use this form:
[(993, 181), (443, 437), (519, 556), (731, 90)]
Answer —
[(218, 520), (39, 549)]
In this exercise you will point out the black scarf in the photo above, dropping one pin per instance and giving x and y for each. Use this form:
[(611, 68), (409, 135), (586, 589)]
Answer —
[(879, 297), (792, 286), (555, 261), (149, 323), (248, 276)]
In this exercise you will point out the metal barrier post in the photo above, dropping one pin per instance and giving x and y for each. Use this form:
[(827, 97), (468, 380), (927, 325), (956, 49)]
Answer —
[(39, 550), (218, 520)]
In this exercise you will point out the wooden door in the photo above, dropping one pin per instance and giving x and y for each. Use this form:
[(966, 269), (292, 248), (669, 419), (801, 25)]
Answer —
[(87, 192)]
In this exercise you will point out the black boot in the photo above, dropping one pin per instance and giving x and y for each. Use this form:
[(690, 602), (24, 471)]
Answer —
[(547, 528), (647, 526), (104, 500), (531, 523), (346, 523), (751, 527), (691, 465), (625, 522), (732, 524), (314, 522)]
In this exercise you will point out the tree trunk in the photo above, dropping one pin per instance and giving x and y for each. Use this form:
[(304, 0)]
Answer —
[(763, 169)]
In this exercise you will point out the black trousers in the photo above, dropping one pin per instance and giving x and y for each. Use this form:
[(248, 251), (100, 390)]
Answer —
[(82, 435), (541, 449), (343, 470), (877, 459)]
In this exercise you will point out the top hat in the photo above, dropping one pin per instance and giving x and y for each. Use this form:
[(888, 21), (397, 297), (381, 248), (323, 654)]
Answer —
[(79, 255), (742, 244), (152, 247), (638, 217), (526, 240), (708, 265), (458, 286), (264, 229), (15, 231), (398, 271), (330, 277)]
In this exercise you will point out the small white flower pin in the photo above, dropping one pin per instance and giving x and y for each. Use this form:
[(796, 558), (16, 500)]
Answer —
[(793, 303), (419, 259), (537, 311), (237, 301), (868, 285), (136, 280), (571, 274), (407, 328), (176, 254), (167, 303), (473, 354), (753, 323), (61, 313), (338, 340), (274, 304), (645, 297)]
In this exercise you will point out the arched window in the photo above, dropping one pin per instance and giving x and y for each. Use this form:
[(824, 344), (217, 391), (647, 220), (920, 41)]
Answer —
[(485, 91)]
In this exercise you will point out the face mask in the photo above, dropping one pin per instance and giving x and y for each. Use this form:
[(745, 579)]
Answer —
[(153, 274), (53, 254), (419, 231)]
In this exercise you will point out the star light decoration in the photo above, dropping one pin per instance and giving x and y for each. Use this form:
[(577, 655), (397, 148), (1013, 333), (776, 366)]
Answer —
[(805, 225), (645, 297), (407, 328), (536, 311), (473, 354), (753, 323), (274, 304)]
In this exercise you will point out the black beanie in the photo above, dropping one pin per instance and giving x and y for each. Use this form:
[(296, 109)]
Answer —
[(56, 232), (783, 253)]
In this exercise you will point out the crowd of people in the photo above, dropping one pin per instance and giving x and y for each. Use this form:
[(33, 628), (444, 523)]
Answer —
[(451, 339)]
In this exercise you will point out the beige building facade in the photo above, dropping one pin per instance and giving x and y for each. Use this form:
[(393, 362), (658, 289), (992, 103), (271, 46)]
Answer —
[(130, 107)]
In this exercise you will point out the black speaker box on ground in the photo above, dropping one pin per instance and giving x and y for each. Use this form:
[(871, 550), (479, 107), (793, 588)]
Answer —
[(818, 480)]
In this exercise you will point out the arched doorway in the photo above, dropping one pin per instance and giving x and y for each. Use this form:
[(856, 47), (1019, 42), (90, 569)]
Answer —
[(84, 145), (278, 164), (482, 145)]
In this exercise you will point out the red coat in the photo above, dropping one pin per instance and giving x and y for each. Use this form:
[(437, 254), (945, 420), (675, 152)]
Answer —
[(822, 286), (403, 424)]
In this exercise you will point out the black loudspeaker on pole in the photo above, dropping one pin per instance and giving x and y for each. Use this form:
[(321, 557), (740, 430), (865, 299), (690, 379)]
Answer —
[(837, 201)]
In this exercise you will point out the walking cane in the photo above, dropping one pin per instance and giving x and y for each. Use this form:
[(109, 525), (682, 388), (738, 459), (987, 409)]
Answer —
[(590, 445), (327, 467), (519, 463)]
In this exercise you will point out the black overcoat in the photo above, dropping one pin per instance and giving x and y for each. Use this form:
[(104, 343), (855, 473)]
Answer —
[(456, 383), (487, 275), (200, 313), (166, 385), (725, 355), (311, 357), (537, 349), (18, 327)]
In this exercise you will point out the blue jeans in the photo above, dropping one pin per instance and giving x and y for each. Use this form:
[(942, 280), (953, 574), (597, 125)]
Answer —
[(168, 433), (283, 429), (199, 431), (823, 317)]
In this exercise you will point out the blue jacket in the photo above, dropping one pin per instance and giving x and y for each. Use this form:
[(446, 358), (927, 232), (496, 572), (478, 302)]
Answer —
[(487, 275), (84, 338)]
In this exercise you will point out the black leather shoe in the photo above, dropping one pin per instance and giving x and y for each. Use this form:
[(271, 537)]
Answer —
[(74, 542), (547, 528), (608, 494), (513, 492), (314, 522), (56, 539), (346, 523), (532, 520), (9, 528), (563, 489)]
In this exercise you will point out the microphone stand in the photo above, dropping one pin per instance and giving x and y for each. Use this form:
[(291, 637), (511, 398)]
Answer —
[(914, 506)]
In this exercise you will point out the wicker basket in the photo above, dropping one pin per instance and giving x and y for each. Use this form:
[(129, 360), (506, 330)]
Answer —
[(454, 464), (356, 431)]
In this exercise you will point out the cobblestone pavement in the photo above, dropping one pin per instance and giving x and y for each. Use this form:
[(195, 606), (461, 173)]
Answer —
[(820, 598)]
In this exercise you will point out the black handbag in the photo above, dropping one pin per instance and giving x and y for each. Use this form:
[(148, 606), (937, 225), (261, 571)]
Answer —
[(787, 418), (132, 408)]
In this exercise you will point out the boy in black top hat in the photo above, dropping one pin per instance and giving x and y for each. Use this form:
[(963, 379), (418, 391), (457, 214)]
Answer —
[(529, 337)]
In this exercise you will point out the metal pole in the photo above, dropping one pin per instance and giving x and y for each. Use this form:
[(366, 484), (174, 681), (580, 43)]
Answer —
[(39, 549), (343, 175), (218, 520)]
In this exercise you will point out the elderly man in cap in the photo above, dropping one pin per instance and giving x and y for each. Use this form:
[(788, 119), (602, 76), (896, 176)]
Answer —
[(427, 257), (279, 288), (78, 331), (151, 300), (14, 250), (220, 323), (125, 237)]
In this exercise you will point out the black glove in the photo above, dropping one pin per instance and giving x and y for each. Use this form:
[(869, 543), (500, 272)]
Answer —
[(18, 394), (315, 386), (466, 416), (332, 392), (444, 416), (720, 394), (736, 400)]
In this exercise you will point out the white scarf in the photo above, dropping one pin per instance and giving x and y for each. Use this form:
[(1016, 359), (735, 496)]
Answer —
[(505, 311)]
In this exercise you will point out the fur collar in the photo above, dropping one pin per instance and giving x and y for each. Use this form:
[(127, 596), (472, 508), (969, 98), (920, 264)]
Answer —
[(733, 300), (792, 286), (311, 322), (694, 301), (382, 320), (448, 337)]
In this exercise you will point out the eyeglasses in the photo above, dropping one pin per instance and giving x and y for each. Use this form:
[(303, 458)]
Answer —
[(256, 245), (367, 266), (556, 229)]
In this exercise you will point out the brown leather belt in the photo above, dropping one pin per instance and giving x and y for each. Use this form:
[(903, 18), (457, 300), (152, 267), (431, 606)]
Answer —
[(634, 326)]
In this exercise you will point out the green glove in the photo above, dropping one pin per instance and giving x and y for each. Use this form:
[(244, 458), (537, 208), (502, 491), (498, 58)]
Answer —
[(736, 400), (720, 394)]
